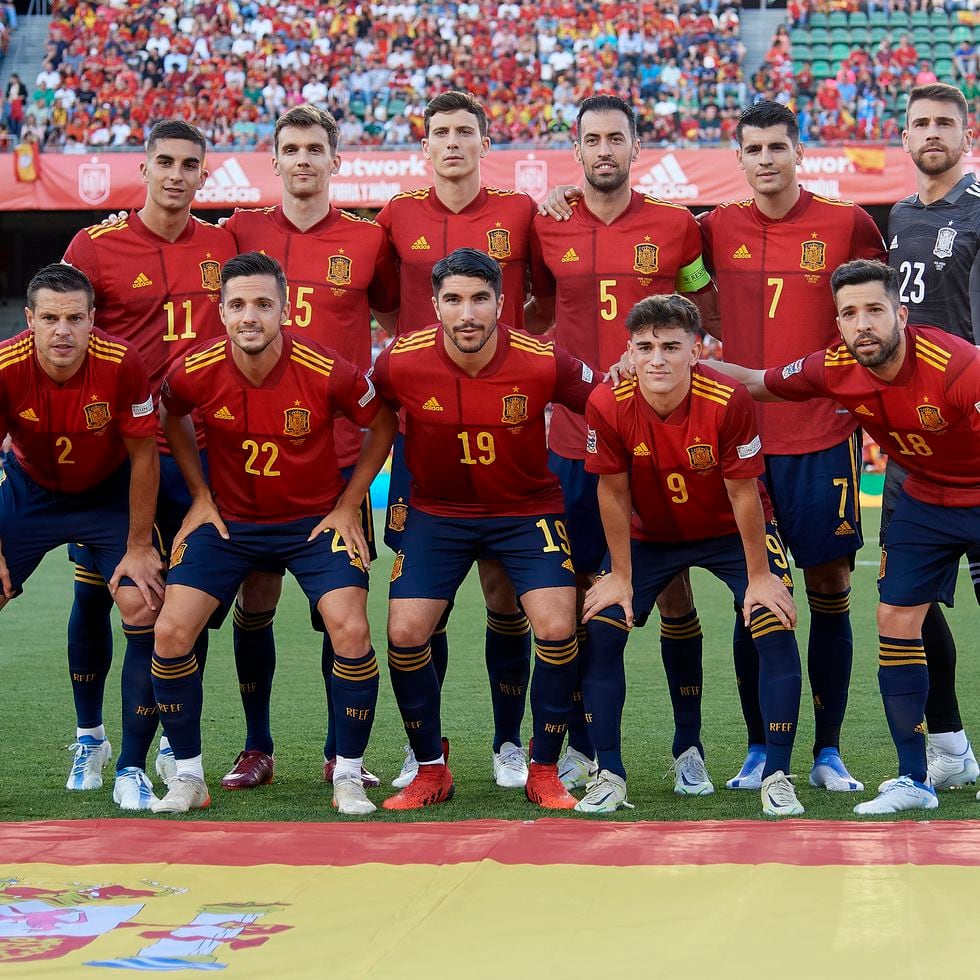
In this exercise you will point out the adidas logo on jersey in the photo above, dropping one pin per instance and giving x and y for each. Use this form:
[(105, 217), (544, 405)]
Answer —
[(30, 415), (844, 528), (420, 244), (142, 280), (432, 405), (570, 256), (229, 184), (641, 450), (893, 243), (863, 410), (224, 414), (741, 253)]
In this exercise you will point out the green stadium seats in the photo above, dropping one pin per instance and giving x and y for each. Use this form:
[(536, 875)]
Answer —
[(939, 19), (860, 36), (818, 19), (919, 18), (820, 52), (943, 69), (837, 18), (799, 36), (962, 33), (942, 50), (878, 19), (840, 52), (801, 53), (820, 35), (878, 34), (899, 20), (840, 35), (822, 69), (858, 19)]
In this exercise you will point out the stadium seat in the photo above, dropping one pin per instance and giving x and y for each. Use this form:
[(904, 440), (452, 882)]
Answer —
[(821, 69), (837, 18), (962, 33), (938, 18), (878, 19), (944, 69), (858, 18), (919, 18), (820, 52), (840, 52), (820, 35), (802, 53), (799, 35), (818, 19), (942, 50), (878, 34), (840, 35), (860, 36), (899, 20)]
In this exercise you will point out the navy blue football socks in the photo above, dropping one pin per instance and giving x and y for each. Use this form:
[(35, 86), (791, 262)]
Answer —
[(255, 663), (416, 687), (903, 679), (552, 684), (828, 660), (508, 657), (355, 695), (139, 705), (179, 692), (680, 649)]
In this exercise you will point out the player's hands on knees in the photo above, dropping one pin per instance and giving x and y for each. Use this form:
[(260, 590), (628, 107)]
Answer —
[(202, 511), (143, 565), (345, 520), (769, 593), (558, 202), (613, 589), (621, 370), (5, 583)]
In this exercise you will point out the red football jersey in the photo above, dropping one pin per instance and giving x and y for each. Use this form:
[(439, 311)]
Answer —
[(338, 271), (678, 465), (423, 230), (927, 418), (775, 300), (69, 437), (271, 455), (476, 447), (598, 272)]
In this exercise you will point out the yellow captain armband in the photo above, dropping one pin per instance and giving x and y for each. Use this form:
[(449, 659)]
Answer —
[(692, 277)]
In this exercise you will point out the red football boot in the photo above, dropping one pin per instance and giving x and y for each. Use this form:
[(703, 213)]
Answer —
[(252, 768), (545, 789), (433, 784)]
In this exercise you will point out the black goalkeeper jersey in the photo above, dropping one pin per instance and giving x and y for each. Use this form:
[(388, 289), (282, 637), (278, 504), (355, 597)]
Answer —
[(936, 250)]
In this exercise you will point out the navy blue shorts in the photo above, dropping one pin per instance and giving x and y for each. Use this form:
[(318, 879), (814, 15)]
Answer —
[(816, 502), (205, 561), (173, 502), (656, 563), (580, 490), (922, 551), (34, 521), (437, 552), (396, 515)]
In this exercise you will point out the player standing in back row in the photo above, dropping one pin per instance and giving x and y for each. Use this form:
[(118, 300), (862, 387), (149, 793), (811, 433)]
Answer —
[(772, 256), (934, 244)]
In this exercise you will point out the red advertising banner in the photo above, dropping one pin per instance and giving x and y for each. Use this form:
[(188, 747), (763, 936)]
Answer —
[(369, 177)]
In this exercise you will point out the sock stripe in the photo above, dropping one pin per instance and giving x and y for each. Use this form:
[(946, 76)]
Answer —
[(136, 630), (831, 604), (252, 621), (686, 631), (896, 652), (360, 672), (618, 623), (758, 634), (406, 663), (509, 627), (557, 655), (88, 578), (171, 670)]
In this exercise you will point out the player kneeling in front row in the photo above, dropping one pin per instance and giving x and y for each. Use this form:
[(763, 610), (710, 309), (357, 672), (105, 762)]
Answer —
[(267, 402), (679, 459), (916, 390), (83, 467), (474, 393)]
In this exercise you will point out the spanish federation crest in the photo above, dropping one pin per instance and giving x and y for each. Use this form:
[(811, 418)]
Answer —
[(930, 418), (397, 566), (297, 422), (515, 409), (211, 275), (813, 256), (178, 556), (702, 456), (397, 515), (646, 258), (97, 415), (944, 243), (338, 271), (498, 243)]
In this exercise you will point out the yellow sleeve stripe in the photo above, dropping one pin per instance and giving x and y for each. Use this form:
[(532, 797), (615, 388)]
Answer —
[(500, 193), (357, 218), (208, 352), (532, 349), (624, 390), (663, 204), (831, 201), (931, 361), (105, 345), (711, 383), (418, 195), (298, 358), (312, 355), (406, 349), (97, 231), (927, 346), (532, 341), (106, 356), (14, 350), (216, 358), (838, 357), (9, 360), (717, 399), (709, 391)]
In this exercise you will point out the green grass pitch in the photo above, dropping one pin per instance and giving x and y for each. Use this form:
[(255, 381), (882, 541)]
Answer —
[(37, 719)]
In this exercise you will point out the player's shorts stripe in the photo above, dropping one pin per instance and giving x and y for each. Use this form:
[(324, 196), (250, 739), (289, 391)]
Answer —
[(216, 358), (618, 623)]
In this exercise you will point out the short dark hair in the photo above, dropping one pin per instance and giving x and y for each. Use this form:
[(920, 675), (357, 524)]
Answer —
[(764, 115), (605, 103), (665, 310), (59, 278), (454, 102), (860, 271), (468, 262), (176, 129), (939, 92), (306, 117), (253, 264)]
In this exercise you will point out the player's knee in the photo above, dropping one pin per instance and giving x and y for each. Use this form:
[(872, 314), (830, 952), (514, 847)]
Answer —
[(676, 600), (903, 622), (498, 592), (133, 608), (833, 577), (553, 625), (351, 638), (172, 638), (260, 592), (406, 633)]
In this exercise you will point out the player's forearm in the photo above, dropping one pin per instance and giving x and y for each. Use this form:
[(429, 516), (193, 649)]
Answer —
[(387, 321), (539, 314), (144, 482), (374, 452), (179, 433), (615, 509), (751, 522), (707, 304), (752, 378)]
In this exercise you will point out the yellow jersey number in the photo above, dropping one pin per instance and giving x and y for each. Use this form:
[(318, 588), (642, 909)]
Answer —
[(269, 450), (485, 451), (174, 316), (301, 309)]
